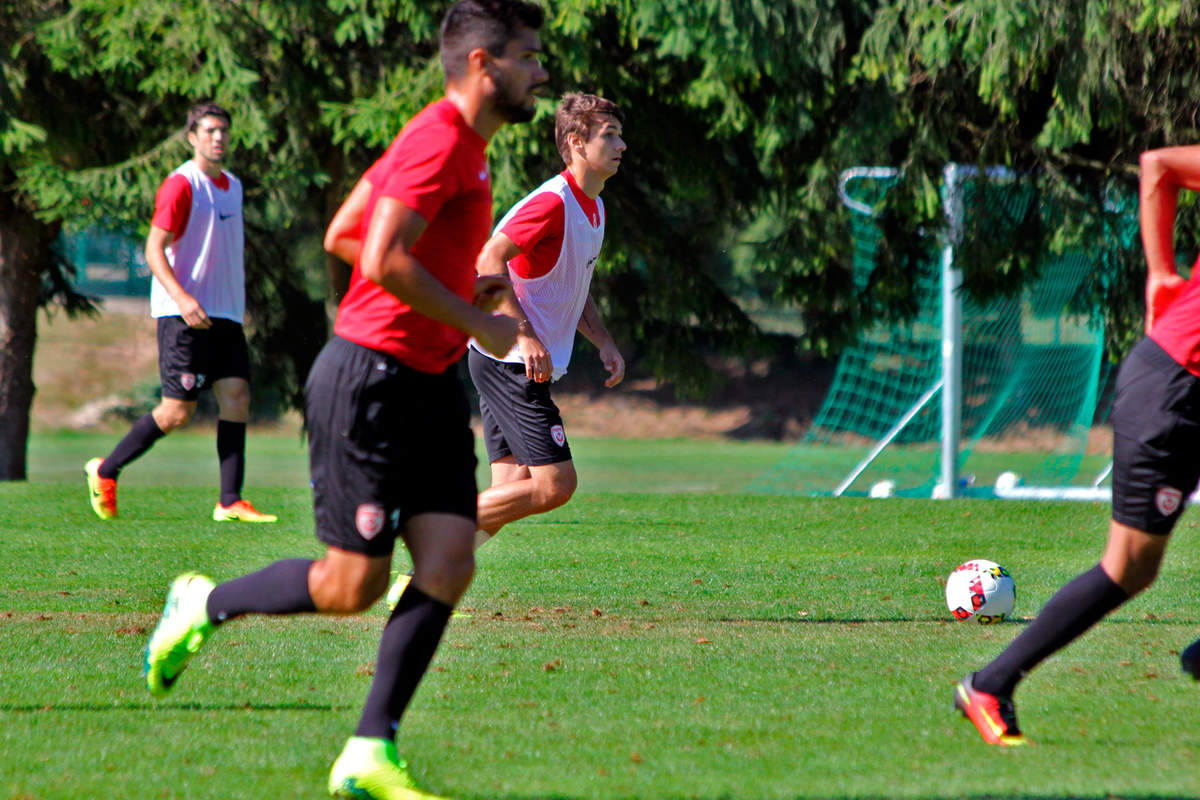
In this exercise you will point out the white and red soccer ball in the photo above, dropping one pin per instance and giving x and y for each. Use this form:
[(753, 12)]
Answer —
[(981, 590)]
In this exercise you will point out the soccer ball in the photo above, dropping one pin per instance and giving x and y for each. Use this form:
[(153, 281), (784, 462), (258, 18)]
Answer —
[(982, 590), (883, 489), (1007, 481)]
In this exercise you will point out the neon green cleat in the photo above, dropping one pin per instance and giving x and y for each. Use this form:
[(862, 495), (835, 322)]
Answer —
[(181, 632), (102, 491), (241, 511), (369, 769), (399, 585), (397, 589)]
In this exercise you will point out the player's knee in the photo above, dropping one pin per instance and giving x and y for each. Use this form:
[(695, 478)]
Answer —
[(334, 593), (446, 576), (234, 401), (170, 417), (556, 490)]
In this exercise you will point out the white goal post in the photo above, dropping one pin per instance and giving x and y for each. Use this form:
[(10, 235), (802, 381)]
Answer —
[(950, 381)]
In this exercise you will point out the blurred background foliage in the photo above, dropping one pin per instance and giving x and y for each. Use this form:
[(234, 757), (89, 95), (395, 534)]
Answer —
[(726, 236)]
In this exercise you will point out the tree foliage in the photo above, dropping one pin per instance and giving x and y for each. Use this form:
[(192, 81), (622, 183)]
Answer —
[(741, 114)]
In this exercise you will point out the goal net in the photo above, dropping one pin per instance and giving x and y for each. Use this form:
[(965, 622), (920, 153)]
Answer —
[(964, 392)]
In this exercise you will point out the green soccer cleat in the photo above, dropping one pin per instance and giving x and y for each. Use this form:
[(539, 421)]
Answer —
[(101, 491), (181, 632), (397, 589), (369, 769), (399, 585), (241, 511)]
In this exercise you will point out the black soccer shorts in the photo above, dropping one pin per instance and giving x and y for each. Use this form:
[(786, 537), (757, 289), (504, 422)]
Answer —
[(385, 442), (190, 360), (519, 416), (1156, 439)]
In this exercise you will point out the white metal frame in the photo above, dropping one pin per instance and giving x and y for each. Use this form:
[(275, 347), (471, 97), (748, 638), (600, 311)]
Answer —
[(950, 383)]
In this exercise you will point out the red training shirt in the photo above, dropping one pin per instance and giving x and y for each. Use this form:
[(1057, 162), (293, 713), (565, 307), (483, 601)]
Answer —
[(436, 166), (1178, 329), (537, 229), (173, 203)]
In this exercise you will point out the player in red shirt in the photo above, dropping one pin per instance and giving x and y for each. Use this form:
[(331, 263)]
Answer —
[(390, 444), (1156, 461)]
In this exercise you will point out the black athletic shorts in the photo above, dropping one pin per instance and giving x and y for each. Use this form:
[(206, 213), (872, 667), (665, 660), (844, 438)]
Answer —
[(191, 359), (1156, 439), (385, 442), (519, 417)]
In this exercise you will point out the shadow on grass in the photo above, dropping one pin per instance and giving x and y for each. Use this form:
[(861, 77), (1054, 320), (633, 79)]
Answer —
[(149, 706)]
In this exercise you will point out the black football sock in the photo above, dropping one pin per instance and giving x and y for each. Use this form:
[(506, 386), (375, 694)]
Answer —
[(1072, 610), (231, 452), (141, 437), (281, 588), (409, 640)]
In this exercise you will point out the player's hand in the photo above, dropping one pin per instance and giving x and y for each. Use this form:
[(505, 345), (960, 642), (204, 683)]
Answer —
[(490, 290), (1161, 291), (539, 366), (611, 358), (193, 313), (496, 333)]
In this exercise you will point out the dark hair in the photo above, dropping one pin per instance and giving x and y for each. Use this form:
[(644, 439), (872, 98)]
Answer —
[(580, 113), (207, 109), (490, 24)]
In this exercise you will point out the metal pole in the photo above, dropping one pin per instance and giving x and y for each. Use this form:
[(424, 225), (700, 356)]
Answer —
[(951, 334)]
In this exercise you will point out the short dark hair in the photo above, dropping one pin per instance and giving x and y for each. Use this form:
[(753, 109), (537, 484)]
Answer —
[(579, 113), (206, 109), (490, 24)]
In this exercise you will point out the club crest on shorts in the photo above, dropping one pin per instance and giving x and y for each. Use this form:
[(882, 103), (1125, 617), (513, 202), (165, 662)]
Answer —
[(188, 381), (369, 520), (1167, 500), (558, 435)]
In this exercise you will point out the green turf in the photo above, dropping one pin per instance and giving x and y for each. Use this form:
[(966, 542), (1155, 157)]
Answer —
[(628, 645)]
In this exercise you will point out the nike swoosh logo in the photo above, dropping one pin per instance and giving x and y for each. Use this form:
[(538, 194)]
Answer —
[(225, 216)]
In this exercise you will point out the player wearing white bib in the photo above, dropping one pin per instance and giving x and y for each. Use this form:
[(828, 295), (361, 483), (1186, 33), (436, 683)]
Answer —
[(198, 296), (548, 245)]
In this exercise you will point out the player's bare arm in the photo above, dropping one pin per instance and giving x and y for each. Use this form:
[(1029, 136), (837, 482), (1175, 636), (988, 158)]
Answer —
[(493, 260), (591, 326), (342, 235), (388, 261), (1164, 173), (156, 257)]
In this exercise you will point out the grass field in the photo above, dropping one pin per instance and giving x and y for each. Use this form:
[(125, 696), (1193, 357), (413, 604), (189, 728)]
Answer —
[(660, 637)]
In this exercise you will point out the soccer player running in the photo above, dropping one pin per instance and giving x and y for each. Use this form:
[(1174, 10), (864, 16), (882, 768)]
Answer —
[(198, 296), (547, 245), (390, 442), (1156, 439)]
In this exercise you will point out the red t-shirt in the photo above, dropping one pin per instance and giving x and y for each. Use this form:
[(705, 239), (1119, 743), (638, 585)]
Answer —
[(537, 229), (173, 203), (1178, 329), (437, 167)]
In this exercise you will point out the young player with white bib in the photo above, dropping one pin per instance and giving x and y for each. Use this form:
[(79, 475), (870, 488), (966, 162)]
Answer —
[(547, 245)]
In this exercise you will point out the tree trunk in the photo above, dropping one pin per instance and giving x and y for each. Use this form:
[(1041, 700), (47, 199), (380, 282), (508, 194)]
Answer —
[(24, 251)]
